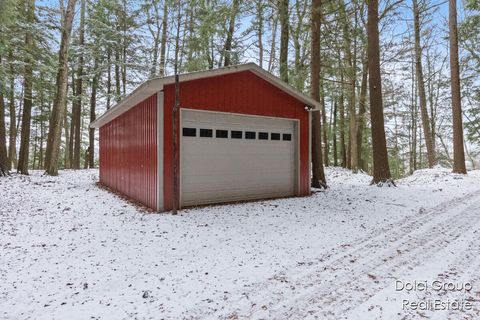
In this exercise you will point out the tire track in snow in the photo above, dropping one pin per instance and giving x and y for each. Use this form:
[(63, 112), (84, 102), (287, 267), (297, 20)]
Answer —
[(415, 246), (266, 299)]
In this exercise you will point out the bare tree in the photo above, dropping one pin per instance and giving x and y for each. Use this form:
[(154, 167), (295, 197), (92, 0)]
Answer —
[(77, 103), (27, 93), (421, 87), (381, 169), (318, 179), (3, 133), (231, 29), (284, 36), (458, 151), (56, 118)]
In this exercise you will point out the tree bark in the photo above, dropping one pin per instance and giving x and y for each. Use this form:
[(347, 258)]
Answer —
[(27, 97), (458, 150), (4, 170), (351, 159), (163, 43), (259, 5), (284, 36), (93, 103), (381, 169), (56, 118), (318, 179), (341, 126), (421, 87), (77, 105), (231, 29), (334, 135), (12, 142), (324, 124), (361, 112)]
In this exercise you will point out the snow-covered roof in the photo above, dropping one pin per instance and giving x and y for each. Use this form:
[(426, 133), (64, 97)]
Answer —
[(151, 86)]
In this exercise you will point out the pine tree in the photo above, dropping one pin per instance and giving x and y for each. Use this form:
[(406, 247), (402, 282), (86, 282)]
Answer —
[(381, 169)]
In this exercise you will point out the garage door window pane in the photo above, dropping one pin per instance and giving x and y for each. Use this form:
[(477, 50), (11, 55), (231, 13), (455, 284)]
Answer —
[(222, 133), (250, 135), (287, 137), (236, 134), (275, 136), (189, 132), (206, 133), (263, 135)]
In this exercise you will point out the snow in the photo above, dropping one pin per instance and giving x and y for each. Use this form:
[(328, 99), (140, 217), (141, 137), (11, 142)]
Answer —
[(71, 250)]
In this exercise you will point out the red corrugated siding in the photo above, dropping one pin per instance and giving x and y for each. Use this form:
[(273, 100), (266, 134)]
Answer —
[(242, 92), (128, 153)]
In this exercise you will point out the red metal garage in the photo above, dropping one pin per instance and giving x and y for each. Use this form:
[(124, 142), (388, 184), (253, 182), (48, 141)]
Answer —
[(242, 134)]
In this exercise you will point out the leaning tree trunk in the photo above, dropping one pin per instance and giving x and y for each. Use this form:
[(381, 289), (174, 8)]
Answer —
[(56, 118), (27, 95), (458, 151), (318, 179), (381, 169), (284, 31), (421, 88)]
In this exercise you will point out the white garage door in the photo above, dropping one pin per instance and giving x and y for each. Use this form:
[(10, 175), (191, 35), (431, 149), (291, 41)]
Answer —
[(227, 157)]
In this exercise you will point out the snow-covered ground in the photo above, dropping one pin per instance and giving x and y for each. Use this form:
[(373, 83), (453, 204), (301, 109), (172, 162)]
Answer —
[(70, 250)]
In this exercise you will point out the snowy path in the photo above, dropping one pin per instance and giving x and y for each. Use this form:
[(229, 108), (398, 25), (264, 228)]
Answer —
[(70, 250), (362, 276), (336, 285)]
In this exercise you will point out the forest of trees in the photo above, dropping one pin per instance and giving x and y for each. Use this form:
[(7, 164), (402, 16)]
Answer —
[(397, 80)]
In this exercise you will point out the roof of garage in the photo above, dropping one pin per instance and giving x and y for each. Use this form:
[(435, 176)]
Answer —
[(153, 85)]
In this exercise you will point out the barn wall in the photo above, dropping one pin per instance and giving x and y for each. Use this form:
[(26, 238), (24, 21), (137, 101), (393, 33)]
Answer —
[(128, 153), (242, 92)]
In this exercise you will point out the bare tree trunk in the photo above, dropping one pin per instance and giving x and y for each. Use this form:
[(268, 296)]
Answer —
[(163, 44), (413, 121), (341, 125), (177, 37), (54, 134), (93, 103), (284, 36), (273, 45), (361, 112), (68, 145), (12, 142), (318, 179), (109, 76), (324, 124), (118, 92), (259, 5), (155, 35), (124, 48), (381, 169), (77, 104), (334, 135), (73, 123), (231, 29), (3, 133), (421, 87), (351, 76), (27, 98), (458, 151)]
